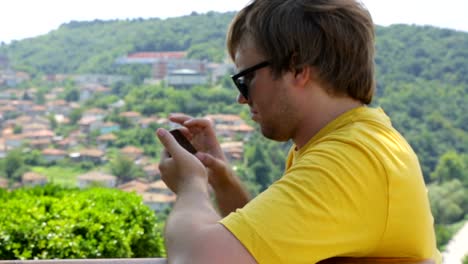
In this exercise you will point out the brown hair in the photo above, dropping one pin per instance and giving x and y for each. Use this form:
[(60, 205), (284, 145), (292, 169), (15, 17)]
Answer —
[(334, 36)]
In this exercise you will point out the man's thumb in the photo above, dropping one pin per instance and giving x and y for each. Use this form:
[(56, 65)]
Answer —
[(168, 141)]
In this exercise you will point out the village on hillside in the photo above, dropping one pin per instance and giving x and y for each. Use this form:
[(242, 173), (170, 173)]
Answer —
[(30, 126)]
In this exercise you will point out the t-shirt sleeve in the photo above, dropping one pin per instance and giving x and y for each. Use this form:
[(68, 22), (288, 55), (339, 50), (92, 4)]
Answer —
[(318, 209)]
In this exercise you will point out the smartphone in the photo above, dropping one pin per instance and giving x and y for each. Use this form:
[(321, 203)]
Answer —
[(183, 141)]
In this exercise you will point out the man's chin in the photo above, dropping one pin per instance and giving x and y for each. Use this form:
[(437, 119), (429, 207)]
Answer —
[(270, 134)]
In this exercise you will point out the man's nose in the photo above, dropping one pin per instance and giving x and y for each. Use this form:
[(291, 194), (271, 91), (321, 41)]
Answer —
[(241, 99)]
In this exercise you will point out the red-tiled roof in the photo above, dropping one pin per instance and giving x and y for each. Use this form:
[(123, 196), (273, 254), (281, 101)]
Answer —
[(131, 150), (158, 198), (158, 55), (96, 176), (222, 117), (33, 176), (40, 133), (55, 152), (135, 185), (107, 137), (91, 152), (130, 114)]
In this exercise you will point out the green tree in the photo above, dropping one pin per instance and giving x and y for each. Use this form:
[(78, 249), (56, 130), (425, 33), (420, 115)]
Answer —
[(72, 95), (39, 98), (14, 165), (451, 166), (125, 169), (449, 202), (75, 115), (17, 129)]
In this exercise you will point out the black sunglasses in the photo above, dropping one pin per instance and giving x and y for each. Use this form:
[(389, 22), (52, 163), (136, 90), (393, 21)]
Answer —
[(239, 79)]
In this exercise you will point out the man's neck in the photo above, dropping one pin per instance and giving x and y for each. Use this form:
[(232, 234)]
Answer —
[(324, 111)]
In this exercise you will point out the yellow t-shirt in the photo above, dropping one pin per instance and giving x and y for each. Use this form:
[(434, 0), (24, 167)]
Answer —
[(355, 189)]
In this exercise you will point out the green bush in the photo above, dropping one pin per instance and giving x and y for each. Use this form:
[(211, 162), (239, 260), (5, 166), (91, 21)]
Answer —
[(54, 222)]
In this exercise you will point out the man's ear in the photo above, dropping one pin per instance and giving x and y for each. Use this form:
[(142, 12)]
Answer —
[(303, 75)]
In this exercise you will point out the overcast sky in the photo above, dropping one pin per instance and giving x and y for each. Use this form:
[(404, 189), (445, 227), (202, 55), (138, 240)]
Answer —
[(28, 18)]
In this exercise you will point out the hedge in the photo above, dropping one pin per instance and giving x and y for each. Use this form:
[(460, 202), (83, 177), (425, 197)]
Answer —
[(54, 222)]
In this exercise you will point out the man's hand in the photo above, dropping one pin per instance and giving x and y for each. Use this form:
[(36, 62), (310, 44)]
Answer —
[(201, 133), (230, 193), (180, 170)]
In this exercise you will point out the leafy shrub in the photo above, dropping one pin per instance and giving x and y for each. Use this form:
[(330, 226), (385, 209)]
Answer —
[(54, 222)]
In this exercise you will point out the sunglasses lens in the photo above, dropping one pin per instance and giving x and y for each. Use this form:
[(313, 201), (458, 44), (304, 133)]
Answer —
[(243, 89)]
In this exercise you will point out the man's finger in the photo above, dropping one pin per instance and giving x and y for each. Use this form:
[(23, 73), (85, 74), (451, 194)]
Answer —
[(210, 162), (201, 122), (170, 144), (179, 118)]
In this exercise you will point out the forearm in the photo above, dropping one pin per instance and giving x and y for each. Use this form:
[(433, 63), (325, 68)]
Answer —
[(191, 213), (231, 196)]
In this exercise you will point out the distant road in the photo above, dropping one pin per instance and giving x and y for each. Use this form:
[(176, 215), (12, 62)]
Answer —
[(457, 247)]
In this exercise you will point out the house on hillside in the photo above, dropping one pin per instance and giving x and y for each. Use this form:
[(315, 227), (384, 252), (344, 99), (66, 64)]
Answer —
[(139, 186), (3, 183), (8, 110), (234, 150), (13, 141), (159, 187), (39, 144), (105, 141), (22, 105), (102, 79), (43, 134), (96, 178), (95, 156), (132, 152), (158, 202), (186, 78), (230, 127), (108, 127), (33, 127), (4, 62), (37, 110), (66, 143), (3, 148), (134, 117), (96, 113), (152, 171), (33, 179), (87, 91), (53, 155), (89, 123), (165, 62), (146, 122), (58, 107)]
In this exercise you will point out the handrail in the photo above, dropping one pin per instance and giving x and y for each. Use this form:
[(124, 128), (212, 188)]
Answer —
[(340, 260), (89, 261), (348, 260)]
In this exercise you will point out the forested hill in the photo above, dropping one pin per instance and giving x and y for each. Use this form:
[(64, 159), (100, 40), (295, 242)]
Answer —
[(80, 47), (422, 72), (404, 52)]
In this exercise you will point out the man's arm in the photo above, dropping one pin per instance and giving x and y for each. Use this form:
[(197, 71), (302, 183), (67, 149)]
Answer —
[(193, 234), (229, 191)]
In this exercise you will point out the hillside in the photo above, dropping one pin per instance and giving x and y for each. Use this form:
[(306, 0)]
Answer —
[(422, 72), (83, 47)]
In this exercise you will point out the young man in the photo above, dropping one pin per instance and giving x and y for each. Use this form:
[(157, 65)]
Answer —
[(352, 185)]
